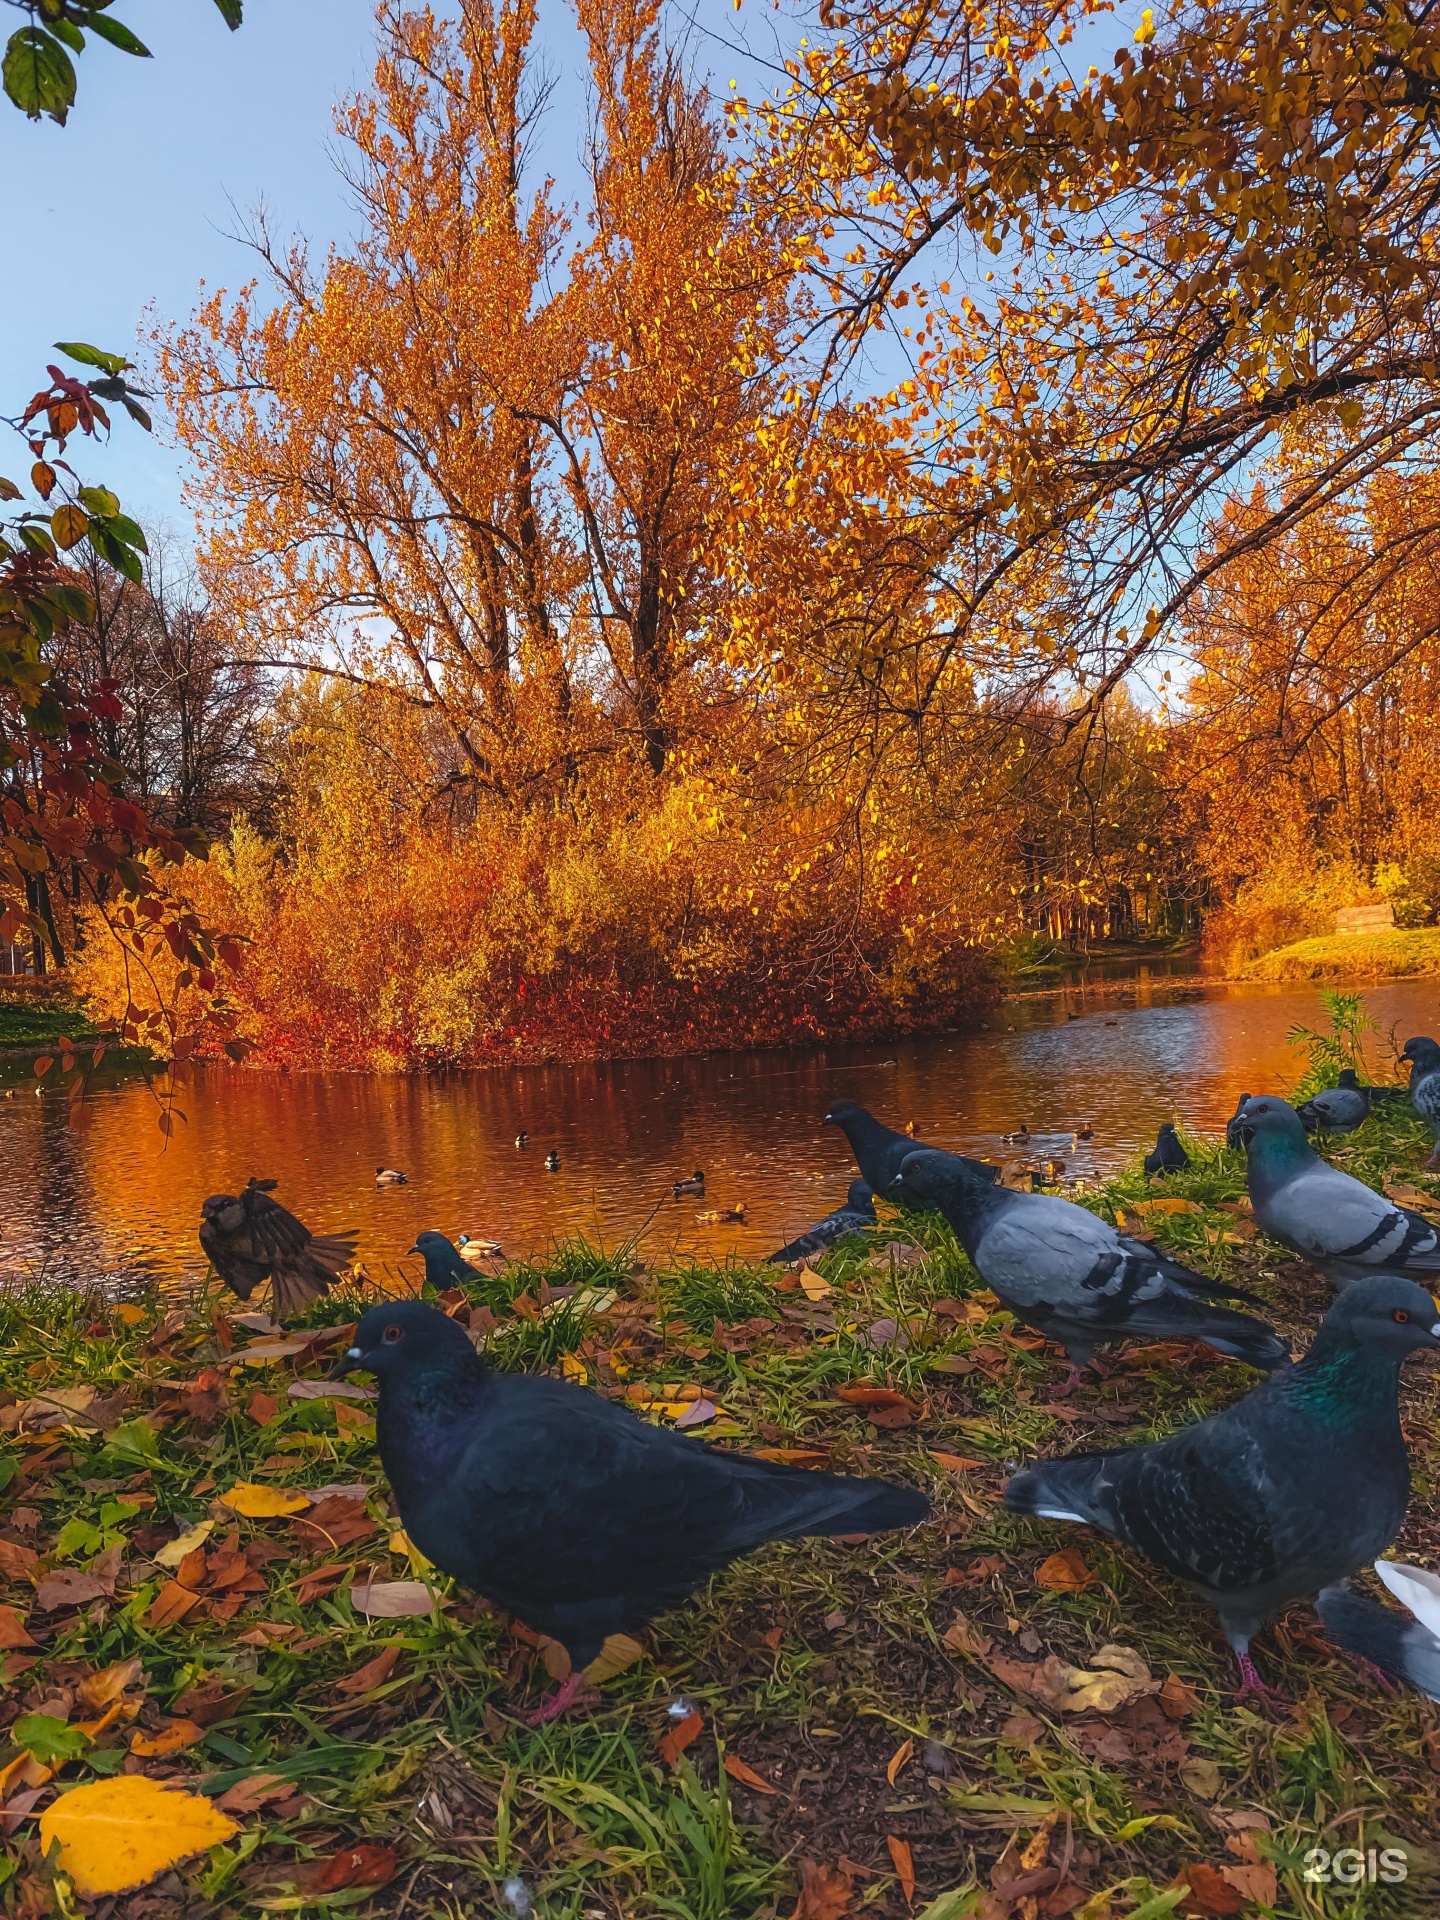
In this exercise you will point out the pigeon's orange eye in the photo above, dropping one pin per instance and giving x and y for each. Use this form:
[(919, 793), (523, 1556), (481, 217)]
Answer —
[(392, 1334), (1399, 1315)]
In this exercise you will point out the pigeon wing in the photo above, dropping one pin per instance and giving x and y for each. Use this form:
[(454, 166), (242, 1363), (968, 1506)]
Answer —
[(1041, 1250), (1326, 1213), (274, 1230)]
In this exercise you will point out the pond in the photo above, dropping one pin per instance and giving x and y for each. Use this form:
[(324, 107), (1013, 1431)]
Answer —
[(116, 1200)]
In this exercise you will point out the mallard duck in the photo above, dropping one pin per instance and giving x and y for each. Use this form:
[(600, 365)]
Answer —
[(522, 1139), (390, 1177), (695, 1184), (1085, 1131), (552, 1161), (1019, 1138), (912, 1127), (718, 1215), (475, 1251)]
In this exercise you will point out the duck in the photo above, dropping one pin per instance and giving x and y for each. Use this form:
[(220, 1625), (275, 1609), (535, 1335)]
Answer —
[(1019, 1138), (695, 1184), (552, 1161), (1085, 1131), (912, 1127), (390, 1177), (718, 1215), (522, 1139), (475, 1251)]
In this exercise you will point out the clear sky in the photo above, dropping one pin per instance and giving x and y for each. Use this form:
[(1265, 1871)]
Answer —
[(112, 221)]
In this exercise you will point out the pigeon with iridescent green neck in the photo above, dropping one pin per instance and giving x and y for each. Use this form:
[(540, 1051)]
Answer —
[(1424, 1058), (1344, 1227), (1283, 1494)]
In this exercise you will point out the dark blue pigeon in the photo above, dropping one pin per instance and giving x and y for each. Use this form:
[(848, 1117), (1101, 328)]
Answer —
[(1233, 1136), (1344, 1227), (445, 1266), (1167, 1155), (1283, 1494), (880, 1152), (1065, 1271), (1424, 1058), (569, 1512), (1406, 1645), (857, 1213)]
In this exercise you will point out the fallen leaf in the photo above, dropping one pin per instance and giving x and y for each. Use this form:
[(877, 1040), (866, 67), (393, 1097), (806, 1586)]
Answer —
[(879, 1397), (747, 1776), (1257, 1881), (697, 1413), (184, 1544), (674, 1742), (12, 1629), (1202, 1777), (320, 1581), (264, 1503), (172, 1604), (333, 1523), (963, 1637), (574, 1369), (118, 1834), (15, 1560), (794, 1456), (1147, 1209), (328, 1390), (813, 1285), (1118, 1676), (824, 1892), (1178, 1700), (23, 1771), (904, 1865), (1406, 1195), (212, 1700), (1065, 1572), (1211, 1896), (266, 1350), (103, 1689), (618, 1652), (956, 1462), (898, 1759), (262, 1408), (363, 1866), (128, 1314), (372, 1673), (394, 1599), (66, 1588), (248, 1796), (55, 1408), (172, 1739)]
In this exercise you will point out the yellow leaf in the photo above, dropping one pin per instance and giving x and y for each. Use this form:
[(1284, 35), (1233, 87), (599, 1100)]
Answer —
[(128, 1314), (574, 1369), (171, 1739), (103, 1689), (618, 1652), (118, 1834), (898, 1759), (69, 525), (813, 1285), (175, 1552), (264, 1503)]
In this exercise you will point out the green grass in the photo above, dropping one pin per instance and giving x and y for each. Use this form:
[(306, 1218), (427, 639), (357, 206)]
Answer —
[(25, 1023), (813, 1664), (1393, 955)]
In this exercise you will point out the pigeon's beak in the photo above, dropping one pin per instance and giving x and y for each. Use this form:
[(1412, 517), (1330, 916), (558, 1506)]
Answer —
[(897, 1185), (412, 1250), (351, 1358)]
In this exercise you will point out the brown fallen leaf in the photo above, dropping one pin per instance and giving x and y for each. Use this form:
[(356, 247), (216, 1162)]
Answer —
[(1178, 1700), (962, 1636), (66, 1588), (619, 1652), (956, 1462), (372, 1673), (1257, 1881), (173, 1604), (332, 1524), (262, 1408), (212, 1700), (103, 1689), (394, 1599), (1065, 1572), (794, 1456), (16, 1560), (12, 1629), (878, 1397), (22, 1772), (747, 1776), (824, 1892), (362, 1866), (899, 1759), (248, 1796), (674, 1741), (320, 1581), (1210, 1896), (904, 1865)]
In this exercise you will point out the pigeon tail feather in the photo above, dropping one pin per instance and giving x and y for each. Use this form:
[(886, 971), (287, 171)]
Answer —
[(1395, 1642)]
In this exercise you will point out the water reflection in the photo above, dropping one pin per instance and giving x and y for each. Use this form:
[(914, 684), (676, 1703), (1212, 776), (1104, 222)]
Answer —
[(116, 1200)]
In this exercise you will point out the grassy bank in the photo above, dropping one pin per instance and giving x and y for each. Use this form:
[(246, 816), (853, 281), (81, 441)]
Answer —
[(865, 1708), (26, 1022), (1393, 955)]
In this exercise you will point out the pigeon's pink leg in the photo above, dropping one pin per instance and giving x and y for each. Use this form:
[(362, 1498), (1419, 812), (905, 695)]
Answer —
[(1250, 1681), (563, 1697)]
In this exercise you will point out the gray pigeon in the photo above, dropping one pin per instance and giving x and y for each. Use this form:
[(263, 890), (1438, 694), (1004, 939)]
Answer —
[(1424, 1058), (1397, 1643), (857, 1213), (1339, 1109), (1233, 1136), (1072, 1276), (1287, 1492), (1346, 1228), (880, 1152)]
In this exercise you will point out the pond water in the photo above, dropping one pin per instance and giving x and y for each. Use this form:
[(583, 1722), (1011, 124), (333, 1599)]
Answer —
[(117, 1200)]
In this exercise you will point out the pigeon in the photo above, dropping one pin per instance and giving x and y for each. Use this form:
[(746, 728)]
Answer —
[(1233, 1136), (249, 1238), (695, 1184), (1406, 1647), (569, 1512), (445, 1265), (1424, 1058), (552, 1161), (857, 1213), (879, 1151), (1283, 1494), (1168, 1156), (1339, 1109), (1344, 1227), (1071, 1275), (390, 1177)]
